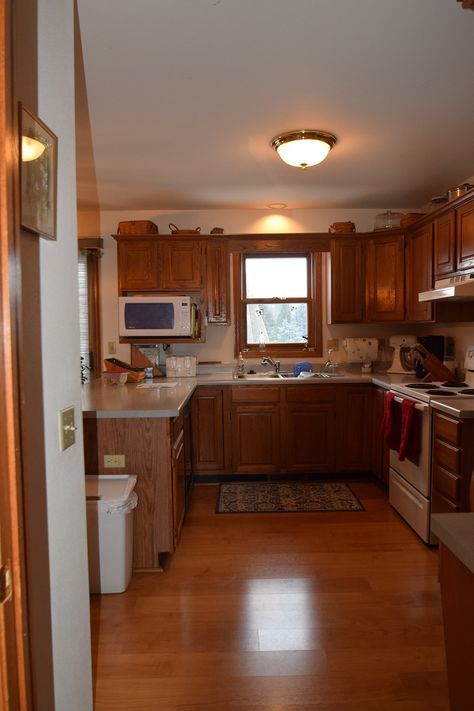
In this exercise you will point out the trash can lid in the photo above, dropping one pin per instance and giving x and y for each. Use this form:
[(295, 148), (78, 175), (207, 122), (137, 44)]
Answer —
[(109, 489)]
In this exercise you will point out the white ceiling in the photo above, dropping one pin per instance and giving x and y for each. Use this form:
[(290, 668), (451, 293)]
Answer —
[(184, 97)]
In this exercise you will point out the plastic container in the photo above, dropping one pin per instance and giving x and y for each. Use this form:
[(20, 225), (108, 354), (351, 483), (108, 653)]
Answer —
[(110, 504), (114, 379)]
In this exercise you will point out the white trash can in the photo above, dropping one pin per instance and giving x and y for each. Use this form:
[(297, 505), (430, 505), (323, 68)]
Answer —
[(110, 501)]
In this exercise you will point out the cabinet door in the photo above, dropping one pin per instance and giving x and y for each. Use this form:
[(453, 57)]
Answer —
[(255, 437), (379, 446), (178, 487), (445, 245), (385, 278), (354, 428), (346, 280), (138, 265), (310, 438), (181, 262), (465, 235), (217, 283), (207, 408), (419, 274)]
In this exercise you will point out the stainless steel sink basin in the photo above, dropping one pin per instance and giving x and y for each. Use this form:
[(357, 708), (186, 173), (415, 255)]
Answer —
[(258, 376)]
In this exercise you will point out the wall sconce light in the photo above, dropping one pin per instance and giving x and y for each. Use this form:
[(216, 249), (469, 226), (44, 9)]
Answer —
[(31, 149), (303, 148)]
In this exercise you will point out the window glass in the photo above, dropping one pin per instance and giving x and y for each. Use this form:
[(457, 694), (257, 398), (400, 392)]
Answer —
[(277, 323), (276, 277)]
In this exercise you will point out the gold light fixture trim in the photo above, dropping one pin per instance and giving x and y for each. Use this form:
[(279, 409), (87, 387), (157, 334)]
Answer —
[(303, 148)]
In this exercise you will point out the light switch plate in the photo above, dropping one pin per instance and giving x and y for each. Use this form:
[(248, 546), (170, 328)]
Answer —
[(114, 461), (67, 428)]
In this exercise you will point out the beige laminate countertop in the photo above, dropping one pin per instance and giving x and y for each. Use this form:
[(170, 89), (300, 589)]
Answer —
[(104, 401), (456, 532)]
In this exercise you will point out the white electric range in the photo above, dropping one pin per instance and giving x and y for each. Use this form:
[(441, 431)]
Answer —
[(409, 480)]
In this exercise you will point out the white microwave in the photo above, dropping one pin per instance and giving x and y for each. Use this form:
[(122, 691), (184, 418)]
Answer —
[(159, 316)]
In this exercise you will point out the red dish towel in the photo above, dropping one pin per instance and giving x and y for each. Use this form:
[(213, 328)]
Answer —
[(392, 422), (410, 438)]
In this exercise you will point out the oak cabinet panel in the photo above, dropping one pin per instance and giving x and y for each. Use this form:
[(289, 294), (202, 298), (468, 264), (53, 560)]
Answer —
[(346, 280), (419, 274), (255, 438), (465, 235), (353, 443), (385, 278), (208, 432), (181, 265), (217, 276), (445, 245), (178, 464), (138, 265), (309, 435), (379, 446)]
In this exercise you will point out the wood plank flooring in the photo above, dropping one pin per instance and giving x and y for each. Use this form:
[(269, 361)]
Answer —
[(278, 612)]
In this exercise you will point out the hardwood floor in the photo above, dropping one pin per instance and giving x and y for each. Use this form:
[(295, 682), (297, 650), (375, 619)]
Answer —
[(278, 612)]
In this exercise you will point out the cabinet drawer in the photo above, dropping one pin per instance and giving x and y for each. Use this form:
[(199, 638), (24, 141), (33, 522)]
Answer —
[(447, 483), (317, 394), (176, 426), (255, 393), (440, 504), (447, 429), (446, 455)]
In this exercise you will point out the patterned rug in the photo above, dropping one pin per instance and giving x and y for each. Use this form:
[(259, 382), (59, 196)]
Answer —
[(276, 497)]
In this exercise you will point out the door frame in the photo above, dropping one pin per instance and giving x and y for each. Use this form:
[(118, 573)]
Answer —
[(15, 689)]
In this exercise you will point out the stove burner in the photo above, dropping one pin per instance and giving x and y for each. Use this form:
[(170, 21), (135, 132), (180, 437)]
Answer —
[(454, 385), (443, 393), (469, 391), (422, 386)]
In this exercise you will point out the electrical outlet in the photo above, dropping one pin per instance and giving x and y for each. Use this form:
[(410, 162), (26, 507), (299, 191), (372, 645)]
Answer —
[(333, 343), (114, 461), (112, 347)]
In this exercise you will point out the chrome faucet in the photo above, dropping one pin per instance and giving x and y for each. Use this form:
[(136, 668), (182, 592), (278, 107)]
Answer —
[(267, 360)]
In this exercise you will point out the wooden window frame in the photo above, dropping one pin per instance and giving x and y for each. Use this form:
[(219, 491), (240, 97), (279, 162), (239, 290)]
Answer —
[(92, 248), (314, 347)]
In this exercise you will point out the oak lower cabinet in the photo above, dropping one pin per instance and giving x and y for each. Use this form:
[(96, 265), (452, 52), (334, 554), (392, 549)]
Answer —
[(255, 439), (452, 463), (210, 416), (353, 443), (309, 427), (154, 450), (380, 452)]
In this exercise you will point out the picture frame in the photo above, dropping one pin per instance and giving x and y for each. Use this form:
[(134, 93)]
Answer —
[(38, 175)]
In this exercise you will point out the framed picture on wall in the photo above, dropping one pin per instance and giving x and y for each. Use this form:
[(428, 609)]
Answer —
[(38, 175)]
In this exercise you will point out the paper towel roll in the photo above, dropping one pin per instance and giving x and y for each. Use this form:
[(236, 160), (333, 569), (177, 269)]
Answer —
[(361, 349)]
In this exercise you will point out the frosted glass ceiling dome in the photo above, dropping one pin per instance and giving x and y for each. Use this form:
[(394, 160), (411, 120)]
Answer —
[(303, 148)]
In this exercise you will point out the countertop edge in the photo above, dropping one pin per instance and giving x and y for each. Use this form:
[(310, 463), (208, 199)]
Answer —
[(456, 532)]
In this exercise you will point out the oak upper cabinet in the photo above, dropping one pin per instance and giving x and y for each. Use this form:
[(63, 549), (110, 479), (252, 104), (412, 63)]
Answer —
[(346, 295), (419, 273), (465, 235), (255, 429), (210, 416), (181, 264), (217, 280), (385, 272), (309, 428), (138, 264), (353, 443), (445, 245)]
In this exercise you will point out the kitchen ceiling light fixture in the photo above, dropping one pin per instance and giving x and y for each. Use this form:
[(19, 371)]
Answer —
[(277, 206), (303, 148)]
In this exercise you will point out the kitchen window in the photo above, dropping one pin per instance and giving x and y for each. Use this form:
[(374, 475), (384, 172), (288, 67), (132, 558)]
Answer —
[(278, 304), (89, 321)]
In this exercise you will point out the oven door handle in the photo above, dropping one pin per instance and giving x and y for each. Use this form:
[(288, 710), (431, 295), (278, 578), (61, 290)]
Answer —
[(418, 406)]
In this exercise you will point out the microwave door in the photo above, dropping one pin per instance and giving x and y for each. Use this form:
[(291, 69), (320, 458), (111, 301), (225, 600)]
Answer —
[(149, 318)]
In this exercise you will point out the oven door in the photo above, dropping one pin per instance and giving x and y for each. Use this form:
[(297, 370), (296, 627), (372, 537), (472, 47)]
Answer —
[(418, 473), (411, 505)]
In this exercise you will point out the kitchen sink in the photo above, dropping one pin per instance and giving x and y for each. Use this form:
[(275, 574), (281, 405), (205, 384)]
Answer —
[(322, 376)]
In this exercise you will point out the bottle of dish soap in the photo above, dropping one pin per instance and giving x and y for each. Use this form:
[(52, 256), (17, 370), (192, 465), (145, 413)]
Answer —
[(240, 366)]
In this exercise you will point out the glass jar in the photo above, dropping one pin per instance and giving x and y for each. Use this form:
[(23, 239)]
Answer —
[(386, 220)]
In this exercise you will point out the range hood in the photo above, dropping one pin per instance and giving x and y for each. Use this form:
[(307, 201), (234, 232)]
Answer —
[(456, 288)]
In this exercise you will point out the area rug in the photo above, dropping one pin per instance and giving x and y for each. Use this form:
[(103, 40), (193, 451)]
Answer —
[(286, 497)]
